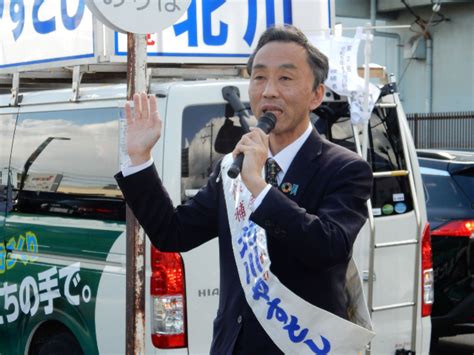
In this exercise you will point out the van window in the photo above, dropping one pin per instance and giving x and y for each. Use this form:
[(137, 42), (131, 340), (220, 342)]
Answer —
[(465, 179), (443, 191), (390, 195), (65, 161), (7, 127), (208, 133)]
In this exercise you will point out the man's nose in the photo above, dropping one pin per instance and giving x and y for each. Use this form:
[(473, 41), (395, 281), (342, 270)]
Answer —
[(271, 88)]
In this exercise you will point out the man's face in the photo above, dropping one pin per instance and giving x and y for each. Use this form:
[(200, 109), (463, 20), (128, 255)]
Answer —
[(282, 82)]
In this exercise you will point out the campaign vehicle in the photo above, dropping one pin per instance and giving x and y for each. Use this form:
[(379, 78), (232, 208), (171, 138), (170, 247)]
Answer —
[(62, 255), (62, 216), (448, 177)]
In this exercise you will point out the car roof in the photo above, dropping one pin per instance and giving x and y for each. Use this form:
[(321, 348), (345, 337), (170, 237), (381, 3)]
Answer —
[(453, 161)]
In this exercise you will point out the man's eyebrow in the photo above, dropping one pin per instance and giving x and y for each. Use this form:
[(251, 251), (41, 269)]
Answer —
[(282, 66), (288, 66), (259, 66)]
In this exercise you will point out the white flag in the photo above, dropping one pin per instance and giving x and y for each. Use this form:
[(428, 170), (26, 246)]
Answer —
[(343, 77)]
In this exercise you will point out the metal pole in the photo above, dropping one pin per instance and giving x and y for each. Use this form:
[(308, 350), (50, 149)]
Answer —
[(429, 75), (367, 55), (415, 130), (135, 254), (365, 143)]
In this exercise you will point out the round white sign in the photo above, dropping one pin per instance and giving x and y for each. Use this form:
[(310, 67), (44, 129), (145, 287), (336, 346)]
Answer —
[(138, 16)]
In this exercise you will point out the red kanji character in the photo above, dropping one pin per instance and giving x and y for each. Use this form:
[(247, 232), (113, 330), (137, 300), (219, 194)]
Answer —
[(240, 212)]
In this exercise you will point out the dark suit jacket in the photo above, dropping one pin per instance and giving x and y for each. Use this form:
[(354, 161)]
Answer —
[(310, 234)]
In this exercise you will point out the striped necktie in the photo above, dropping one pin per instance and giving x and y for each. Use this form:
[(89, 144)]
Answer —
[(271, 171)]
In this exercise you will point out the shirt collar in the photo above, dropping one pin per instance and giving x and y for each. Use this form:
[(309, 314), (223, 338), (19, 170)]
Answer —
[(285, 157)]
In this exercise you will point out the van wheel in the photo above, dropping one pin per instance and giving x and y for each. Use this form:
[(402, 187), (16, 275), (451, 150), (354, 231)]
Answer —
[(60, 344)]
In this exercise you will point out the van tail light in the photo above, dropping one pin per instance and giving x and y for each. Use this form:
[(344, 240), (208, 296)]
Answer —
[(168, 328), (464, 228), (427, 292)]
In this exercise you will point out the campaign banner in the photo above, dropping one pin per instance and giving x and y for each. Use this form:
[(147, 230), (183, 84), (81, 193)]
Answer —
[(43, 32), (37, 34), (226, 31), (294, 325)]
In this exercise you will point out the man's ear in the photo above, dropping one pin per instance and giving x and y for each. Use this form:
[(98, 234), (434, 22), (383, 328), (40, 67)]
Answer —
[(318, 96)]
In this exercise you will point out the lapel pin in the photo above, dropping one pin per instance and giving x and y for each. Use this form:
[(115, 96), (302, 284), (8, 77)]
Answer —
[(290, 188)]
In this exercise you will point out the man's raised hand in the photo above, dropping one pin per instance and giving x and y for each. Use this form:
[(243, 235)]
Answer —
[(143, 127)]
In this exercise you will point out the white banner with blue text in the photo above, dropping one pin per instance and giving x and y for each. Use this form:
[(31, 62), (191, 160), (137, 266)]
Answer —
[(294, 325)]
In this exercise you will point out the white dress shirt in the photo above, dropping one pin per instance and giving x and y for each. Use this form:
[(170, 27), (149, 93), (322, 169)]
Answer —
[(284, 158), (128, 169)]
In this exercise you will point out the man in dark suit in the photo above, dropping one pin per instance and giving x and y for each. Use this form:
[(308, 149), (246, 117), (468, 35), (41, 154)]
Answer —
[(312, 211)]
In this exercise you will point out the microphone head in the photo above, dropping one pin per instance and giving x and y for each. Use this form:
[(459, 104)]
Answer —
[(267, 122), (270, 116)]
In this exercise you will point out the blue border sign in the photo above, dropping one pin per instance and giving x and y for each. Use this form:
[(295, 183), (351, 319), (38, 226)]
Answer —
[(225, 29), (44, 31)]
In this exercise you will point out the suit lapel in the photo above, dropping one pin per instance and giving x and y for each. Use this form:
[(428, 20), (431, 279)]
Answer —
[(302, 167)]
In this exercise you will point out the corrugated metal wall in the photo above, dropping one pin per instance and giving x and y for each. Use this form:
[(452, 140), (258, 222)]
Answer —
[(452, 130)]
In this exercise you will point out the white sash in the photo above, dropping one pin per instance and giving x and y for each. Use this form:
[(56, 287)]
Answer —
[(294, 325)]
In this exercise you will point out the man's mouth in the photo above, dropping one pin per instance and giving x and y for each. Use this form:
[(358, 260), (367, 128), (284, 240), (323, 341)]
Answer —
[(273, 109)]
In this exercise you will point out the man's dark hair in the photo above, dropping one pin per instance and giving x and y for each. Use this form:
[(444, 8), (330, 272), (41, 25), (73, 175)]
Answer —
[(289, 33)]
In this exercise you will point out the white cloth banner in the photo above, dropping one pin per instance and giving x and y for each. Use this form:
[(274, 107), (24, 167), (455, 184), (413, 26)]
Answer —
[(294, 325), (343, 77)]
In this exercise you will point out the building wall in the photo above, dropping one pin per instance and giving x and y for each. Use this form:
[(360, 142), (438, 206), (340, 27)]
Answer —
[(453, 59)]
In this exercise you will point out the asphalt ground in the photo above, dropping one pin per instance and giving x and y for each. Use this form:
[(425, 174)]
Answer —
[(458, 345)]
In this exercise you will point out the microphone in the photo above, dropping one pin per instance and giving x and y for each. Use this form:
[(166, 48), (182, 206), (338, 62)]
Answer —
[(266, 123)]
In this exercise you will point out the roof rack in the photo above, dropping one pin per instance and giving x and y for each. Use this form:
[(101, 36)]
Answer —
[(108, 73)]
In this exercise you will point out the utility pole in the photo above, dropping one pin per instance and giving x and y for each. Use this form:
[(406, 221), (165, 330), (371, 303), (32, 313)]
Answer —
[(136, 21), (135, 251)]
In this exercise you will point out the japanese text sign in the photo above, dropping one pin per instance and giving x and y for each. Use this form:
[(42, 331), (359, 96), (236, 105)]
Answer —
[(54, 33), (227, 30), (42, 31), (142, 16)]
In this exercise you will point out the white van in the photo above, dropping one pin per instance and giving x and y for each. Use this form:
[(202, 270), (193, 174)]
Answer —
[(62, 223)]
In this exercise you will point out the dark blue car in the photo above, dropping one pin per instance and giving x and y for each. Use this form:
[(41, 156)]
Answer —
[(448, 177)]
